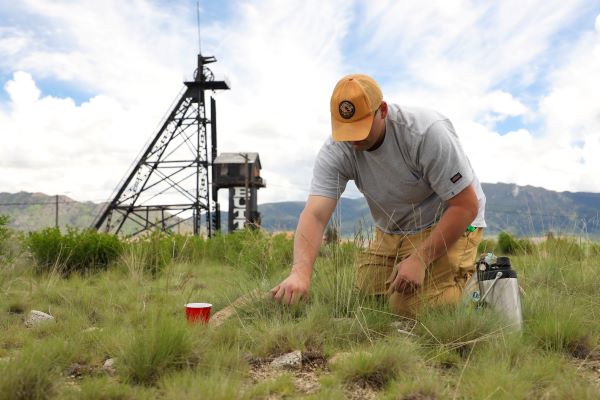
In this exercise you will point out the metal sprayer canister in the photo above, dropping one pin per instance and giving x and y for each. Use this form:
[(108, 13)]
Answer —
[(495, 284)]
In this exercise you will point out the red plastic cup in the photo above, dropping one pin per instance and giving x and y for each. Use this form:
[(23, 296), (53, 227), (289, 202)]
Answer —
[(197, 312)]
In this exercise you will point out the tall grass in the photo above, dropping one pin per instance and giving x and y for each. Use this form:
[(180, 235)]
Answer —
[(33, 373), (252, 251), (136, 308)]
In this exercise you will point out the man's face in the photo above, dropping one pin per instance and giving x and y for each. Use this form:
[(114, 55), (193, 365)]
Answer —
[(377, 129)]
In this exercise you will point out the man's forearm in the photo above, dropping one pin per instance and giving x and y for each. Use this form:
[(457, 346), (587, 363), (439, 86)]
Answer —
[(449, 229), (307, 242)]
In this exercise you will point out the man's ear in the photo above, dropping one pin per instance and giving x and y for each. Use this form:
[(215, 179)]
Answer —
[(384, 109)]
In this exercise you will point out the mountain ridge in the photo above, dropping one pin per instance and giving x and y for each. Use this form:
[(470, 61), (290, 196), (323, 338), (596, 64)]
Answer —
[(521, 210)]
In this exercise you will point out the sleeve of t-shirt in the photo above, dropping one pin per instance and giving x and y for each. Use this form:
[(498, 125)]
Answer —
[(444, 163), (329, 175)]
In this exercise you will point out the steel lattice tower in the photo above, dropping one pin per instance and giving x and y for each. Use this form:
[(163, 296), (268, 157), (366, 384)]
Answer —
[(169, 183)]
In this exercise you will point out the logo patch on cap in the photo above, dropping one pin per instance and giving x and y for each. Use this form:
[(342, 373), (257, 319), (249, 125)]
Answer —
[(456, 177), (346, 109)]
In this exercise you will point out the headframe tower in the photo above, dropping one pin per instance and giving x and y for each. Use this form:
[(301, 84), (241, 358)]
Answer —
[(172, 180)]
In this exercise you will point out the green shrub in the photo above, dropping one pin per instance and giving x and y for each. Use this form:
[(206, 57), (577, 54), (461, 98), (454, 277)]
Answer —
[(508, 244), (76, 251)]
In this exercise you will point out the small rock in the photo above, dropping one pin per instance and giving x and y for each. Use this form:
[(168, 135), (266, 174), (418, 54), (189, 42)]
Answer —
[(291, 360), (109, 366), (37, 317)]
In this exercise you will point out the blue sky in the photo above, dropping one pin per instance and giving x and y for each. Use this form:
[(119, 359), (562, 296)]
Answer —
[(84, 83)]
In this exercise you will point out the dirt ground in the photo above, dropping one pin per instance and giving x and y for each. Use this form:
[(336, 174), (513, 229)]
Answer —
[(306, 378)]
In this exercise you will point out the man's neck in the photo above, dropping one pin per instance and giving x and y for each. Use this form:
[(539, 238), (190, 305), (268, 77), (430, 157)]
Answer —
[(379, 141)]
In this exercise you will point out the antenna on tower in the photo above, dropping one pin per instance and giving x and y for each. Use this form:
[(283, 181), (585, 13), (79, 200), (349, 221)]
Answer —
[(198, 22)]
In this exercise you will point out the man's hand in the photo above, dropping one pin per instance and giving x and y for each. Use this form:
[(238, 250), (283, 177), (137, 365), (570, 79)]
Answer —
[(291, 289), (307, 241), (407, 276)]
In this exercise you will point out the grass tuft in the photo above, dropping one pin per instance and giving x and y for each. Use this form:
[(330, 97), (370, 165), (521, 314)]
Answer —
[(163, 346), (377, 365), (558, 323), (459, 327), (33, 373)]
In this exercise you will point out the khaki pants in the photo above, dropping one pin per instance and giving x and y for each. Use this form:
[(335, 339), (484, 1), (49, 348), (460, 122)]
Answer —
[(444, 279)]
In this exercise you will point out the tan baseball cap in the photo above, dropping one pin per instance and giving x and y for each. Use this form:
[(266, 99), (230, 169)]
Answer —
[(354, 101)]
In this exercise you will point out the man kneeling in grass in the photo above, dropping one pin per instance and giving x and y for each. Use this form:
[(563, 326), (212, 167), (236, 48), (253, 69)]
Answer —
[(424, 197)]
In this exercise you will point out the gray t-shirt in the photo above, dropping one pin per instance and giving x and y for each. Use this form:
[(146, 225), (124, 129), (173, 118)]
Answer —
[(408, 179)]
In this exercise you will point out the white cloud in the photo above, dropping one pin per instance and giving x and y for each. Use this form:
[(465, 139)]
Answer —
[(571, 113), (55, 146), (469, 45), (504, 104), (22, 90), (463, 58), (111, 47), (11, 42), (571, 108)]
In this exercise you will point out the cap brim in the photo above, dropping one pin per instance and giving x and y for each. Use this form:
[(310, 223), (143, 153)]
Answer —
[(351, 131)]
